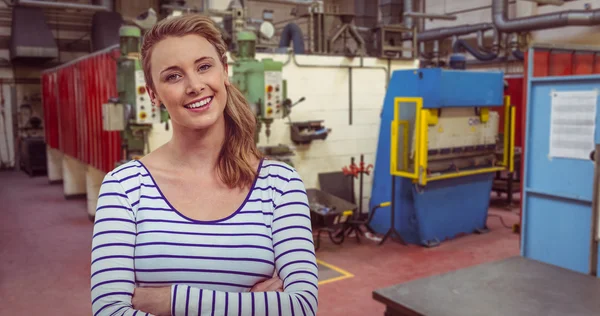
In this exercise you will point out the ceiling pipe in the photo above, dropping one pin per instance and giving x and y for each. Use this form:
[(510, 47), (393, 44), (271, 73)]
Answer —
[(459, 44), (61, 5), (422, 9), (445, 32), (495, 36), (539, 22), (431, 16), (109, 4), (408, 8)]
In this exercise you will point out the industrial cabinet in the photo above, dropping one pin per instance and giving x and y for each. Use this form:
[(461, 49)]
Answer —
[(558, 202), (32, 155)]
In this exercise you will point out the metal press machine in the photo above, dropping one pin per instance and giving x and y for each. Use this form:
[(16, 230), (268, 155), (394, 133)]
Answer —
[(438, 151)]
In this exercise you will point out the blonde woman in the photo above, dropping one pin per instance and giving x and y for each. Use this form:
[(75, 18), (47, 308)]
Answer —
[(202, 225)]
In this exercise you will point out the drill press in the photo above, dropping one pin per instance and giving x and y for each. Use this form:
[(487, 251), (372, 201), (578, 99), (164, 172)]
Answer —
[(261, 82), (131, 112)]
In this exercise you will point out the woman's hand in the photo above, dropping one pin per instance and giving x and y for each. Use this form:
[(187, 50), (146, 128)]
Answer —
[(271, 285), (152, 300)]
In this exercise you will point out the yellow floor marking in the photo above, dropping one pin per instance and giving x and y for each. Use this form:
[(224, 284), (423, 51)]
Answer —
[(345, 274)]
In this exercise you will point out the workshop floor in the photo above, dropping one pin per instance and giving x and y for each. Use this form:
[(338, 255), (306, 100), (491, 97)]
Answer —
[(45, 251)]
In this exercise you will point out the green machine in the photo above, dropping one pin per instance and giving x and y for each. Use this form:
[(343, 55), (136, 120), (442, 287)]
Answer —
[(262, 83), (132, 112)]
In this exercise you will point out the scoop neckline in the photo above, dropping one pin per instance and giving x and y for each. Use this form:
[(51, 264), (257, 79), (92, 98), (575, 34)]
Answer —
[(260, 165)]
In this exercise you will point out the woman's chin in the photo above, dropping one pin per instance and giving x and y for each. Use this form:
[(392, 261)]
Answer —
[(203, 123)]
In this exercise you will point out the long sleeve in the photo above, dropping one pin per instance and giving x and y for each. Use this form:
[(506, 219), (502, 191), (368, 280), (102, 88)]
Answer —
[(113, 243), (295, 262)]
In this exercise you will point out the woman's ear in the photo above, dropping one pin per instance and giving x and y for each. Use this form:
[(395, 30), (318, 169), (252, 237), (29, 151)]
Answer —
[(152, 95), (226, 70)]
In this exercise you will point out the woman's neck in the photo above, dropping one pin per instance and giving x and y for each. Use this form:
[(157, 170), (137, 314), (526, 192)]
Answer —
[(197, 150)]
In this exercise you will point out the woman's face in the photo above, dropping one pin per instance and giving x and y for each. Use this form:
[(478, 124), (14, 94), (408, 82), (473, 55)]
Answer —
[(189, 79)]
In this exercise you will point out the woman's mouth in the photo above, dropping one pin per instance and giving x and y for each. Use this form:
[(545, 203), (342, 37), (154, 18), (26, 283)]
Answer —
[(199, 105)]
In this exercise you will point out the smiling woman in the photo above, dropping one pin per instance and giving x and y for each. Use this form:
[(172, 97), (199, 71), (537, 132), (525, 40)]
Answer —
[(202, 225)]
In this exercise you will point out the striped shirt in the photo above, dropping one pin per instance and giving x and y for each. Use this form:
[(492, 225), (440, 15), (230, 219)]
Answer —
[(141, 240)]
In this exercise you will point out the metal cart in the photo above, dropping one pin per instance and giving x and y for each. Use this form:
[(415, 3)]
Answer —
[(329, 214)]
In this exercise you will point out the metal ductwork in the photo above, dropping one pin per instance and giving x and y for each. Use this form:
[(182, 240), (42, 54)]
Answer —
[(31, 39), (442, 33), (105, 30), (60, 5), (408, 8), (539, 22), (108, 4)]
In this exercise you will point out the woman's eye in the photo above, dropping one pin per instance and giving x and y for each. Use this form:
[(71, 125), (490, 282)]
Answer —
[(172, 77), (204, 67)]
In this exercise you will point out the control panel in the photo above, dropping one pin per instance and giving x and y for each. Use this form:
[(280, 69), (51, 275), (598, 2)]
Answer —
[(145, 112), (272, 107)]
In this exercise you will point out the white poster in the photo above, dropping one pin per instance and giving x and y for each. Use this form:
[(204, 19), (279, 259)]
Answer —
[(572, 124)]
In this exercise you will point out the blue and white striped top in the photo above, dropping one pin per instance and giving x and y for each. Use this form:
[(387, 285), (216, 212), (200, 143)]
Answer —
[(141, 240)]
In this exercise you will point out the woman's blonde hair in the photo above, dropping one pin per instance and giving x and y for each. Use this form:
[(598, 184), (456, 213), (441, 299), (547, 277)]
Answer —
[(234, 164)]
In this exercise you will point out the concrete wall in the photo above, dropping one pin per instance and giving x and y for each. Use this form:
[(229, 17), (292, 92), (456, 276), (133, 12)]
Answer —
[(327, 98)]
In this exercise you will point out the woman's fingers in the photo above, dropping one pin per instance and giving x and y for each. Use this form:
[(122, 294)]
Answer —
[(264, 285), (273, 284), (279, 285)]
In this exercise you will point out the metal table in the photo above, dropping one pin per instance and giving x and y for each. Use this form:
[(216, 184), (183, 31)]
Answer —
[(515, 286)]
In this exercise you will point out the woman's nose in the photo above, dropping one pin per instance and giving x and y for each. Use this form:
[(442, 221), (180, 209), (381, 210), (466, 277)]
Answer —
[(195, 85)]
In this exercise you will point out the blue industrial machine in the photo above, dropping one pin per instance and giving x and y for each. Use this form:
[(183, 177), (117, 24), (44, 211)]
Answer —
[(438, 150)]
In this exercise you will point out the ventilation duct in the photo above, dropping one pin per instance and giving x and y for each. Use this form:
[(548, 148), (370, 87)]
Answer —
[(503, 24), (107, 4), (445, 32), (539, 22), (408, 8), (31, 39), (105, 30), (60, 5)]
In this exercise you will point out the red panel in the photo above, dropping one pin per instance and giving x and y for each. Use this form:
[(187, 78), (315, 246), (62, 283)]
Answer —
[(515, 91), (596, 64), (92, 136), (74, 94), (561, 64), (100, 139), (80, 112), (65, 121), (95, 137), (94, 131), (583, 64), (540, 69), (85, 72), (73, 112)]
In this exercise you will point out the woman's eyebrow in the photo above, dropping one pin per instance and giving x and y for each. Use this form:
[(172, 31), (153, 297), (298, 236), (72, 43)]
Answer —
[(195, 62)]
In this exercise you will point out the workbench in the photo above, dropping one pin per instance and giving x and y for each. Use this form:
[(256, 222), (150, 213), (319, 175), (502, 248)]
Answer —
[(515, 286)]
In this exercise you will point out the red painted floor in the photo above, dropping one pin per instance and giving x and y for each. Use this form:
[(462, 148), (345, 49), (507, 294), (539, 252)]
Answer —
[(45, 253)]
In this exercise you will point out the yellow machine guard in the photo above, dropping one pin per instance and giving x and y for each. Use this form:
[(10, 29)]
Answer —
[(426, 117)]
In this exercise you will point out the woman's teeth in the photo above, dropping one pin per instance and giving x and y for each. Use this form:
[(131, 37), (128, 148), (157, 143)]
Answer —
[(199, 103)]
